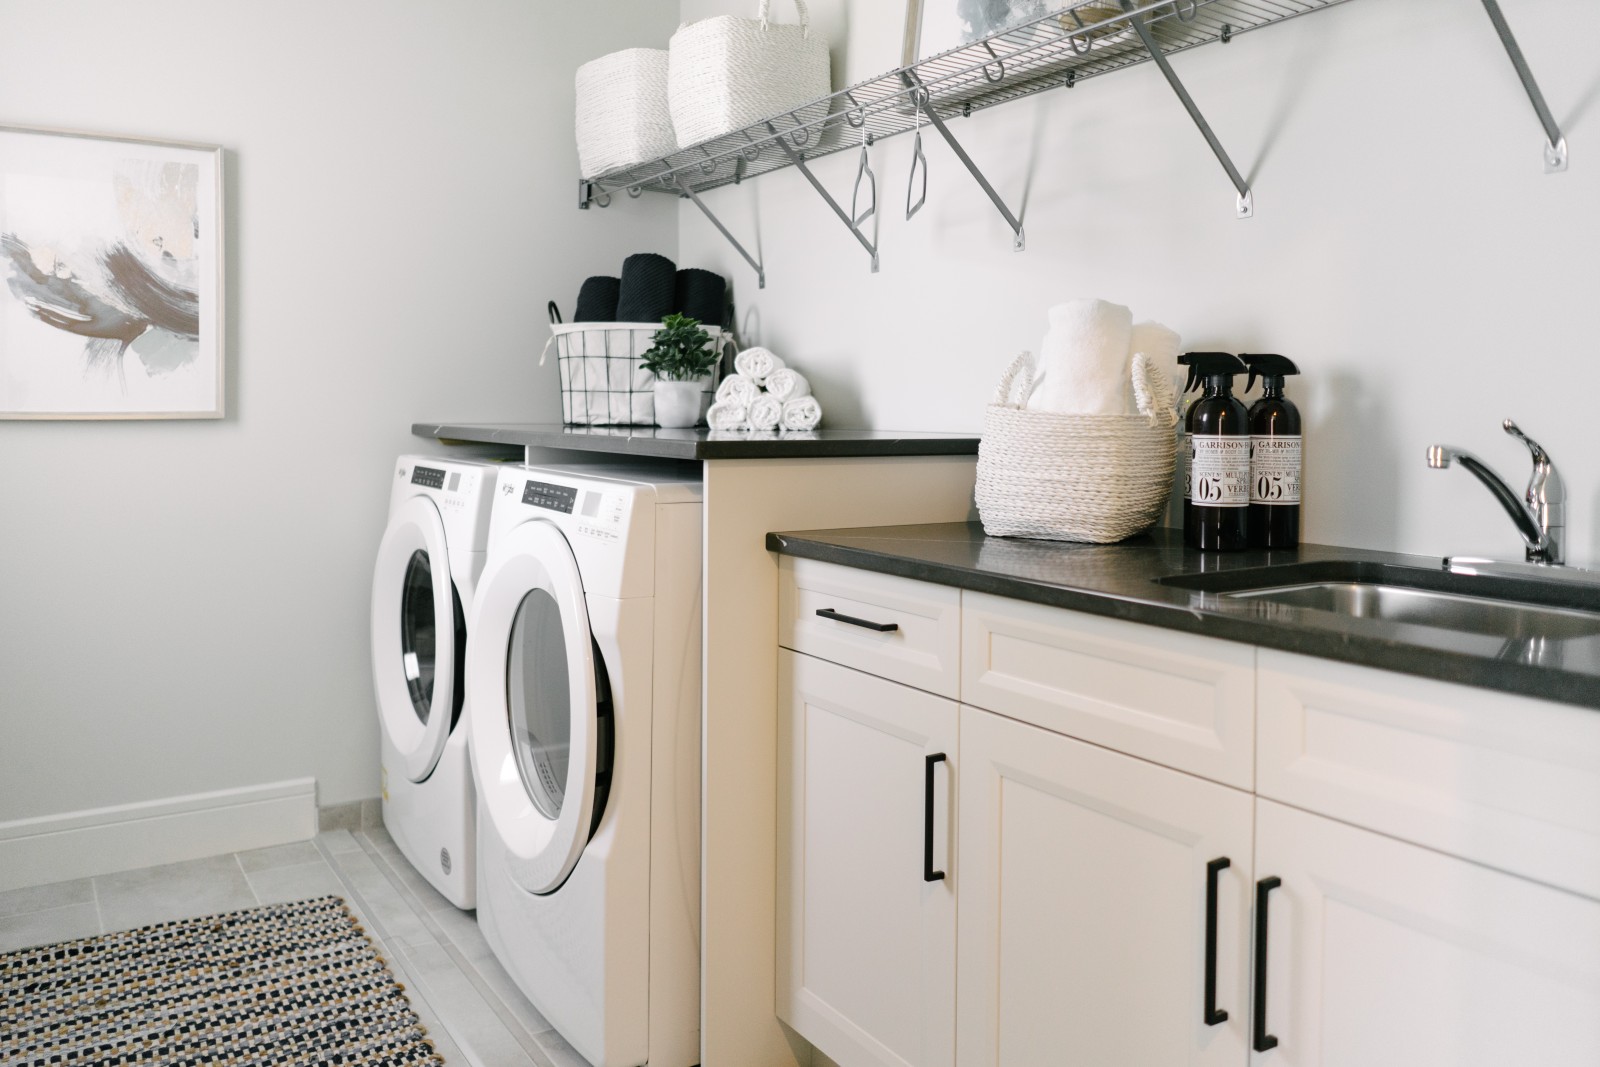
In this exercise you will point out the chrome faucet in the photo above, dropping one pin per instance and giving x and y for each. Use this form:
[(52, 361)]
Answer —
[(1541, 513)]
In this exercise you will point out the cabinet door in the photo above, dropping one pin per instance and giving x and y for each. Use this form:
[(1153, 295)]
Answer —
[(866, 937), (1386, 954), (1084, 906)]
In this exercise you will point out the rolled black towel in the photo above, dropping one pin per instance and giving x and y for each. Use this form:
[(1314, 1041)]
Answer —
[(597, 300), (646, 291), (702, 295)]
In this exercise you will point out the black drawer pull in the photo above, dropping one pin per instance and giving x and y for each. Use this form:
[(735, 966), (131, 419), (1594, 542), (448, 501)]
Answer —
[(928, 873), (1263, 1040), (865, 624), (1213, 1015)]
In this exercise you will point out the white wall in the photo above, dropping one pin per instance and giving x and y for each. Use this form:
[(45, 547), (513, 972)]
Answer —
[(183, 605), (1408, 251)]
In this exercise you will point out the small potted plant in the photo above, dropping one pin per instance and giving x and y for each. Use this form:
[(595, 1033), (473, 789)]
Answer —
[(682, 360)]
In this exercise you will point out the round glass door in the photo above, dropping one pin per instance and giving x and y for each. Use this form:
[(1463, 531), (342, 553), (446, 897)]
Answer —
[(418, 639), (540, 701)]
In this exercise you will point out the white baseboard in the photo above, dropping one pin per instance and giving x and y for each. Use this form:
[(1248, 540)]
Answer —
[(80, 844)]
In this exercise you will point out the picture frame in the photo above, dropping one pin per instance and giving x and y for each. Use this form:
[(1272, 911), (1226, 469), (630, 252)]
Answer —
[(112, 284), (935, 26)]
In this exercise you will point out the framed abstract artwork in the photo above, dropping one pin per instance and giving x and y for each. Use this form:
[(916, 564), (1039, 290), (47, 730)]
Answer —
[(111, 258), (934, 26)]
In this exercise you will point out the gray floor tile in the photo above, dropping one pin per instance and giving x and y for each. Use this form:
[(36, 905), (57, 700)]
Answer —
[(460, 928), (47, 926), (173, 891), (338, 841), (421, 890), (471, 1023), (54, 895), (561, 1054), (437, 1032), (290, 855), (280, 885), (395, 920)]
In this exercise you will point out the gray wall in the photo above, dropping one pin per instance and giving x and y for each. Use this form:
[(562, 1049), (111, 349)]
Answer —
[(183, 605), (1408, 250)]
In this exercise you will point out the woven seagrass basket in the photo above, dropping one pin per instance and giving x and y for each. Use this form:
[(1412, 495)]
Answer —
[(1095, 478), (725, 73)]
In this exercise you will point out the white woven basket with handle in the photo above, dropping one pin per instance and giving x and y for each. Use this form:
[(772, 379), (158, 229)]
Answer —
[(725, 73), (622, 118), (1096, 478)]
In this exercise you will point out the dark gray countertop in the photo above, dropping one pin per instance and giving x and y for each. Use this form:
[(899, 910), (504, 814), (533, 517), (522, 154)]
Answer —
[(701, 443), (1121, 581)]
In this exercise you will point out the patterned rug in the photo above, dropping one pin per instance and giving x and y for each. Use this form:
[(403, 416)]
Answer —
[(264, 987)]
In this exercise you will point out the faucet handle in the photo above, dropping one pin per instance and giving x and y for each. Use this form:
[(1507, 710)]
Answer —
[(1541, 458), (1545, 486)]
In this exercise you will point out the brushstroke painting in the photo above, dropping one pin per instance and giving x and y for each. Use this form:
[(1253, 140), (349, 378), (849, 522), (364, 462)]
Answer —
[(110, 258), (935, 26)]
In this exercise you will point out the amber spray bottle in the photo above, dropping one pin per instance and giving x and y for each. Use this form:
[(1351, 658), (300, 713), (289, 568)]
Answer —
[(1275, 455), (1217, 433)]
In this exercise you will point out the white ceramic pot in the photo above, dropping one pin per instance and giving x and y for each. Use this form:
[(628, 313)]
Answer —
[(681, 404)]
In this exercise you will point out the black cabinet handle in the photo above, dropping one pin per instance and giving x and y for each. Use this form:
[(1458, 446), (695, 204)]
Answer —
[(928, 873), (866, 624), (1263, 1040), (1213, 1015)]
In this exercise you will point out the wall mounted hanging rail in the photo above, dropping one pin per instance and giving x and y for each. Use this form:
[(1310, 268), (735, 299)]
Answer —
[(1076, 42), (1555, 149)]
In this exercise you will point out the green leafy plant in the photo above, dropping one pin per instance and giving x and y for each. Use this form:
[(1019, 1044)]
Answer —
[(682, 351)]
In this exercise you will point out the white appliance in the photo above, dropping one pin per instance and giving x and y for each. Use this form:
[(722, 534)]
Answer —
[(428, 564), (584, 669)]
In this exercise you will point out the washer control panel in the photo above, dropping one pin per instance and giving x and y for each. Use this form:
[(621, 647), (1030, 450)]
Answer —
[(551, 497)]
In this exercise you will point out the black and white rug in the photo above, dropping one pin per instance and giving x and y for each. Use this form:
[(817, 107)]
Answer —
[(287, 984)]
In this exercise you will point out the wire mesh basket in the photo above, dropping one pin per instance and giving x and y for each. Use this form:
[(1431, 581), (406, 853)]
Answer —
[(603, 379)]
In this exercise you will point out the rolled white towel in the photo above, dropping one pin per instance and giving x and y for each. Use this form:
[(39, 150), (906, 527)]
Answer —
[(766, 412), (756, 364), (727, 415), (1161, 347), (1083, 364), (739, 389), (801, 413), (787, 384)]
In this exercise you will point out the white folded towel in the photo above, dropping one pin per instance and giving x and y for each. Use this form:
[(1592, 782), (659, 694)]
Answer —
[(766, 412), (1083, 364), (801, 413), (1161, 347), (739, 389), (727, 415), (786, 384), (756, 364)]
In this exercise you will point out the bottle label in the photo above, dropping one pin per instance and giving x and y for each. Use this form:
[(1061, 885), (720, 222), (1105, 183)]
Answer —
[(1275, 470), (1219, 471), (1186, 458)]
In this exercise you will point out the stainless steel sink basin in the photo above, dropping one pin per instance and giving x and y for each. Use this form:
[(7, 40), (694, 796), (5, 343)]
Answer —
[(1495, 607)]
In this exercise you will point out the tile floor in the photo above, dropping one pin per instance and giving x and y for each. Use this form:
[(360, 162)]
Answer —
[(474, 1014)]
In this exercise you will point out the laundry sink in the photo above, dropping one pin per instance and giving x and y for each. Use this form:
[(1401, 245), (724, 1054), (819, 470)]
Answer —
[(1496, 607)]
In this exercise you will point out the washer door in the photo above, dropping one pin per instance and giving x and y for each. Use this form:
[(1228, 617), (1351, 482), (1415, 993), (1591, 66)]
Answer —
[(418, 637), (540, 717)]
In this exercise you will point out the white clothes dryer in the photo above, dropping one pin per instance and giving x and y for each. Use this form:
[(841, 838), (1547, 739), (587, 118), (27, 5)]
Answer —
[(427, 570), (584, 666)]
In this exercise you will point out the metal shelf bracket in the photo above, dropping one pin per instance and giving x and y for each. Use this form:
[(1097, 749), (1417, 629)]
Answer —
[(799, 162), (755, 265), (1245, 205), (919, 100), (1555, 148)]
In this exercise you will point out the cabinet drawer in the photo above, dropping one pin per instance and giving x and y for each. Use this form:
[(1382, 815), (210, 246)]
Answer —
[(1505, 780), (923, 647), (1176, 699)]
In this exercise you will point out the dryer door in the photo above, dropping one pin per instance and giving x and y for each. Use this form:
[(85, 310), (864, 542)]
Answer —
[(418, 637), (539, 718)]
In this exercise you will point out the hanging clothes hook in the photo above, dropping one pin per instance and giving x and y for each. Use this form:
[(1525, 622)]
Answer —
[(864, 171), (1000, 65), (918, 160)]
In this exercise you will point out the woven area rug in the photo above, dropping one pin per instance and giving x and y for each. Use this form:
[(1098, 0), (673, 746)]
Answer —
[(265, 987)]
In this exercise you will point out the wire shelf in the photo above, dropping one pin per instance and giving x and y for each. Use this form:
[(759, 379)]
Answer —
[(1074, 43)]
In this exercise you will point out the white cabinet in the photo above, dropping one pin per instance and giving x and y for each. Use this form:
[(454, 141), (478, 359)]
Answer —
[(1085, 906), (866, 884), (1385, 954)]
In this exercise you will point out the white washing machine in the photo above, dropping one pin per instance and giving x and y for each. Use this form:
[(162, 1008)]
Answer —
[(584, 669), (428, 564)]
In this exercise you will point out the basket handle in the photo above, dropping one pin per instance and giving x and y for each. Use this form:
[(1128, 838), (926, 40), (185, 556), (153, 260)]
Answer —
[(1152, 390), (1019, 373), (555, 313), (765, 15)]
